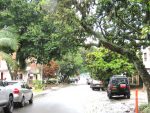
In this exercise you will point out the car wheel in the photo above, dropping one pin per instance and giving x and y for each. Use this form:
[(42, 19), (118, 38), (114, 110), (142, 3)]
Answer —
[(22, 103), (9, 108), (103, 89), (31, 100), (128, 96), (93, 88), (109, 96)]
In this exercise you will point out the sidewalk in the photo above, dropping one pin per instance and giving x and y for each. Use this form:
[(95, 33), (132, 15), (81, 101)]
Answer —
[(48, 89), (142, 96)]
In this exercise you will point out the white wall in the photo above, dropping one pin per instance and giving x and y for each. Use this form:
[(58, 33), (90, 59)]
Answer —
[(146, 57), (4, 70)]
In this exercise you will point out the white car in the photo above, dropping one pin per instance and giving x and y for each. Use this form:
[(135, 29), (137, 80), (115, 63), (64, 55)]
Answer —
[(97, 84), (6, 97), (22, 92)]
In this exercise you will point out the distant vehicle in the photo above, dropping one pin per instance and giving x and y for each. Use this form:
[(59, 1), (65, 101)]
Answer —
[(22, 92), (88, 81), (6, 97), (73, 79), (97, 84), (118, 85)]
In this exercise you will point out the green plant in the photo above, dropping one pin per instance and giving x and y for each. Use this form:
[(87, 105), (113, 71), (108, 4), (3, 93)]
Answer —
[(145, 108), (37, 84)]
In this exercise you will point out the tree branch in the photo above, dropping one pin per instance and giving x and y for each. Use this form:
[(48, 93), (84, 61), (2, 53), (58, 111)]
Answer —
[(129, 26)]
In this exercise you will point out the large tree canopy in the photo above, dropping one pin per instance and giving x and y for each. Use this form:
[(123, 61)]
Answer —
[(119, 25)]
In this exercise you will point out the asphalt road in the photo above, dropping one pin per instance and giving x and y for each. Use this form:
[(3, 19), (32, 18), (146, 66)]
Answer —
[(61, 101), (79, 99)]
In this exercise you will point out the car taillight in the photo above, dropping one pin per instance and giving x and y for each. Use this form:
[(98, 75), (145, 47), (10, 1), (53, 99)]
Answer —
[(128, 87), (122, 85), (16, 91), (113, 87)]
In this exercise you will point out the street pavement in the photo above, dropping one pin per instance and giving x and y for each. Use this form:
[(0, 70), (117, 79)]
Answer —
[(79, 98), (92, 101)]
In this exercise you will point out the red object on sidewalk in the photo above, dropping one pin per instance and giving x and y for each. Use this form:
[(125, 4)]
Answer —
[(136, 101)]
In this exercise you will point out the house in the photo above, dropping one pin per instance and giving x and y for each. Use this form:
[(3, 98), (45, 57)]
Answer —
[(4, 71), (146, 58)]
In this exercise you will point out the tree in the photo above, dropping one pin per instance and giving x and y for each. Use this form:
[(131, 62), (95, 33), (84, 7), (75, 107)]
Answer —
[(119, 25), (40, 35), (8, 45), (104, 63), (50, 69), (70, 65)]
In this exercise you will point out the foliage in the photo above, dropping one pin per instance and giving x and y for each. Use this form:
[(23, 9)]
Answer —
[(50, 69), (52, 81), (8, 45), (103, 63), (41, 35), (145, 108), (37, 84), (71, 64)]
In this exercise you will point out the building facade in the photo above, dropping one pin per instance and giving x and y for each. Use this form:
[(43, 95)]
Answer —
[(4, 71), (146, 58)]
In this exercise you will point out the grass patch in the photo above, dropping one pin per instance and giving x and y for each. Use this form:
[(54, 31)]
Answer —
[(145, 108)]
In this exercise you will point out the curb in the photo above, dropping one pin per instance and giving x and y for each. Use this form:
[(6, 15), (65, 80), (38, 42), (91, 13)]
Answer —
[(55, 88)]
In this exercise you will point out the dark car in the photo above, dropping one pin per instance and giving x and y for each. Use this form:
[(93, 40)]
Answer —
[(118, 85)]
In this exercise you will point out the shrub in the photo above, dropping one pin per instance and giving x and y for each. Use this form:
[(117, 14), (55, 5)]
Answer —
[(145, 108), (52, 81), (37, 84)]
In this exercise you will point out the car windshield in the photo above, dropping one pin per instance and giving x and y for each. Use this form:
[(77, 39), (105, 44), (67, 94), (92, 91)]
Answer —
[(117, 81), (12, 83)]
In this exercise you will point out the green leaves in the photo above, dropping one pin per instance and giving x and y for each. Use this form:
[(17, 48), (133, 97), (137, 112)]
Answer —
[(8, 38), (104, 63), (12, 63)]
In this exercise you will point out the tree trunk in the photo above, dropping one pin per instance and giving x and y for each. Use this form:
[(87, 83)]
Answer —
[(143, 74), (148, 94)]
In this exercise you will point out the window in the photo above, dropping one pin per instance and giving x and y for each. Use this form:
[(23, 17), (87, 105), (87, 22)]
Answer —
[(23, 86), (145, 56)]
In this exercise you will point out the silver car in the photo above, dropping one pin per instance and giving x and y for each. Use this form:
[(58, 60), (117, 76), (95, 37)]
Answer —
[(22, 92)]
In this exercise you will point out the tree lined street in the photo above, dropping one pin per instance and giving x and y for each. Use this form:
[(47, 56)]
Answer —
[(80, 98), (54, 41)]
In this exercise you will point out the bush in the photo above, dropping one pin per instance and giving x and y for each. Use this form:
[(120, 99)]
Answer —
[(144, 108), (37, 84), (52, 81)]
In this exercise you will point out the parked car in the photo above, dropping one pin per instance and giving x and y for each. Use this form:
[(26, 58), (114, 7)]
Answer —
[(118, 85), (73, 80), (22, 92), (88, 81), (6, 97), (97, 84)]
